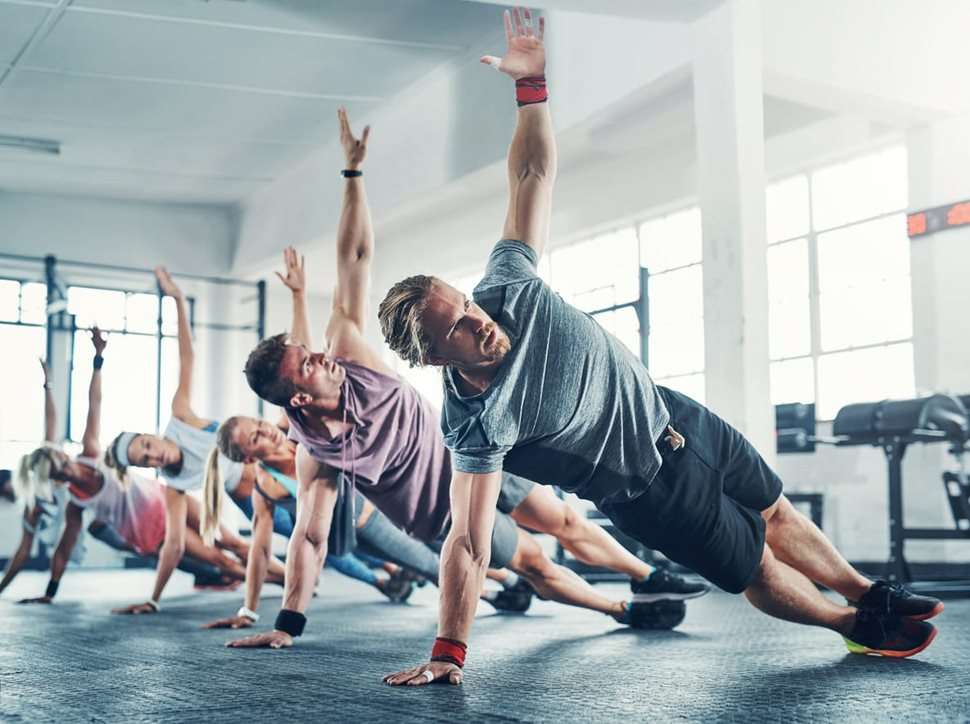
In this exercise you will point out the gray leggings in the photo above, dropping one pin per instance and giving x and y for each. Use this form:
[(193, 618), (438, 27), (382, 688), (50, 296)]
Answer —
[(379, 537)]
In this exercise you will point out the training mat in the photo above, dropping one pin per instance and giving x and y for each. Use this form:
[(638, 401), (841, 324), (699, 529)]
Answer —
[(72, 662)]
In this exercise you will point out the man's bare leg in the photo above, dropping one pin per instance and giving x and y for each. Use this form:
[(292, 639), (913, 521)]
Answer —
[(543, 512), (555, 582), (781, 591), (797, 542)]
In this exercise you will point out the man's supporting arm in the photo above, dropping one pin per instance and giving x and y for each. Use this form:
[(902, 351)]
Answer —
[(464, 562)]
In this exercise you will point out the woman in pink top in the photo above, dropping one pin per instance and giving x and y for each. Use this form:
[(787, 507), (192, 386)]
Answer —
[(135, 509)]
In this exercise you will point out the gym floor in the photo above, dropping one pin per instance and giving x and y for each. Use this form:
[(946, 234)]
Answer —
[(73, 662)]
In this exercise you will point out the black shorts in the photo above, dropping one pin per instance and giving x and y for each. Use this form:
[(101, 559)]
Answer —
[(703, 509)]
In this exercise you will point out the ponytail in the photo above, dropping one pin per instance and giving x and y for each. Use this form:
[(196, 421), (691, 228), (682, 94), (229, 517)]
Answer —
[(211, 499)]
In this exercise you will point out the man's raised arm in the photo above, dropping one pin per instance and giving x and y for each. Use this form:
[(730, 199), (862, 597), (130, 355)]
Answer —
[(532, 160), (355, 235)]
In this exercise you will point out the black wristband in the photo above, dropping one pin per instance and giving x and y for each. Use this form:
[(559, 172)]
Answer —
[(52, 588), (291, 622), (351, 173), (98, 361)]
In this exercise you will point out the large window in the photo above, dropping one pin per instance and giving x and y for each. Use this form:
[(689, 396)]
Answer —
[(24, 341), (840, 307), (129, 387)]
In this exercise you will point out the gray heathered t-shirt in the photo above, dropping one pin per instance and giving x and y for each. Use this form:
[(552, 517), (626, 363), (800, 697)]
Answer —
[(570, 405)]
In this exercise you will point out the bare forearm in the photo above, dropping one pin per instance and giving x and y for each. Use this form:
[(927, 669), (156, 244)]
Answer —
[(533, 149), (300, 327), (93, 424), (355, 233), (259, 555), (168, 558), (462, 577), (50, 415), (186, 353), (303, 563), (17, 561)]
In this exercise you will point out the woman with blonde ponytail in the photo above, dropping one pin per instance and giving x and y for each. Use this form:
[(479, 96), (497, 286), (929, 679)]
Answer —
[(272, 508), (43, 503), (181, 455)]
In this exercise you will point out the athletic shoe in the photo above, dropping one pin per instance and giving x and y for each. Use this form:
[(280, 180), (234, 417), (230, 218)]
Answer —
[(516, 599), (216, 583), (885, 635), (666, 586), (657, 615), (397, 588), (892, 599)]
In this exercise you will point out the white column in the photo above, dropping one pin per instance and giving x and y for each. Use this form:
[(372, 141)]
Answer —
[(728, 116)]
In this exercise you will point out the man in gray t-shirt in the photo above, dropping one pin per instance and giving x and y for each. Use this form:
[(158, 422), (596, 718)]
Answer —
[(535, 387)]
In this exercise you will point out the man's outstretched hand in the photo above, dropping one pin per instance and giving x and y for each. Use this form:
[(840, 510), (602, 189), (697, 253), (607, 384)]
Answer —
[(425, 674), (355, 149), (295, 278), (526, 53)]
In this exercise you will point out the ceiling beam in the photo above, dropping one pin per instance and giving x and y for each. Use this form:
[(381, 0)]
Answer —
[(40, 32)]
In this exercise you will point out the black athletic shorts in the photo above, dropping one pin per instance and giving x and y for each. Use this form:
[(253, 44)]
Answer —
[(703, 509)]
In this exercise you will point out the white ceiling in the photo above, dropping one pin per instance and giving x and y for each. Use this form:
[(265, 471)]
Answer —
[(203, 101)]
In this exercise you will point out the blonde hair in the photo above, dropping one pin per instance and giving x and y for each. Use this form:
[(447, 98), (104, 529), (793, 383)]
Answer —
[(400, 315), (212, 484), (34, 473), (111, 458)]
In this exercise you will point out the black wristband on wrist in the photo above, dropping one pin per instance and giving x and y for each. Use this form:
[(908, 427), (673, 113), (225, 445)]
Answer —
[(351, 173), (52, 586), (98, 361), (291, 622)]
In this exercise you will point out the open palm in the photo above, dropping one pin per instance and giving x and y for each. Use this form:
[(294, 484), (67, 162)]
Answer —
[(526, 53)]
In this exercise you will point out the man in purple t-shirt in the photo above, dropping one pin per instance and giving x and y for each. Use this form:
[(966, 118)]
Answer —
[(352, 414)]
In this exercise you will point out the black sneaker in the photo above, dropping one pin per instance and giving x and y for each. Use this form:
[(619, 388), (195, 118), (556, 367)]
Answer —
[(666, 586), (657, 615), (893, 599), (885, 635), (397, 588), (516, 599)]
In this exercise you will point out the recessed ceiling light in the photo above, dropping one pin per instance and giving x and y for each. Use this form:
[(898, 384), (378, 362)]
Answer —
[(34, 145)]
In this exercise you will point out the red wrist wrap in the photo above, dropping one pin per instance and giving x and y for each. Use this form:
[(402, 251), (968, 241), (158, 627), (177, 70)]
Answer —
[(531, 90), (449, 650)]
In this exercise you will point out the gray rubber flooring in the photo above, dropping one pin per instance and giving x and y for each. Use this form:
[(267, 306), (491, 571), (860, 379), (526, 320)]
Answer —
[(72, 662)]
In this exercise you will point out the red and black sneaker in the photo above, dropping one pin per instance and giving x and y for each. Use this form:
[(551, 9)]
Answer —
[(894, 600), (885, 635)]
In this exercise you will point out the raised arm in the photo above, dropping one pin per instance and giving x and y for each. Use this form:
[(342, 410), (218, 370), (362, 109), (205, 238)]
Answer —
[(305, 554), (62, 554), (182, 401), (50, 410), (355, 234), (464, 562), (92, 427), (295, 281), (532, 161)]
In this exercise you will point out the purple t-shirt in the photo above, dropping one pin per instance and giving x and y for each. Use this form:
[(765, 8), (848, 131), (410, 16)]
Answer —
[(394, 451)]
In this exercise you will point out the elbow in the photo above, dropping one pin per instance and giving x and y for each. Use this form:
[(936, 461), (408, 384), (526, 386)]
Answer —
[(318, 543), (476, 552)]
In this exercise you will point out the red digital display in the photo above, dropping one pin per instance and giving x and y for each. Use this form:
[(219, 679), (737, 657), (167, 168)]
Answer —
[(930, 221)]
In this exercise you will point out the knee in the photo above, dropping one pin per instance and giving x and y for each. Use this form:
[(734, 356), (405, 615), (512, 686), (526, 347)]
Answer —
[(532, 562), (757, 578)]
